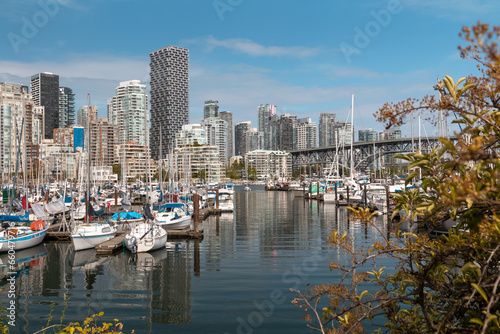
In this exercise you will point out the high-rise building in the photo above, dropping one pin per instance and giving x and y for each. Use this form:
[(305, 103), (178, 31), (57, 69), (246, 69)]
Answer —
[(128, 110), (102, 142), (254, 140), (211, 109), (367, 135), (191, 135), (327, 129), (66, 107), (265, 112), (169, 96), (239, 137), (228, 117), (216, 130), (45, 92), (305, 133), (394, 133), (84, 117), (344, 133), (11, 117), (287, 123)]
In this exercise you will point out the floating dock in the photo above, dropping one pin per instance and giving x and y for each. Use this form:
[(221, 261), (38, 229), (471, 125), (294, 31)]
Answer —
[(111, 246)]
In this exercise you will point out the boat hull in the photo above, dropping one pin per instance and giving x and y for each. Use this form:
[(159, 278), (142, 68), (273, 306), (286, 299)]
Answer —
[(86, 236), (145, 238), (176, 224), (23, 241)]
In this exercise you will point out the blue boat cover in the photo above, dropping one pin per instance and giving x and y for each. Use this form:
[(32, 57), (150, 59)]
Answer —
[(15, 218), (126, 215), (172, 205)]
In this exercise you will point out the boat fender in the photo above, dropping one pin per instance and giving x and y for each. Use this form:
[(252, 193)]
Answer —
[(133, 244), (37, 225)]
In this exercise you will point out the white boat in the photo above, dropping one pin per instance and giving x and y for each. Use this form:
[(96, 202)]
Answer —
[(85, 236), (173, 216), (22, 237), (226, 203), (145, 237), (125, 221), (247, 188), (329, 198)]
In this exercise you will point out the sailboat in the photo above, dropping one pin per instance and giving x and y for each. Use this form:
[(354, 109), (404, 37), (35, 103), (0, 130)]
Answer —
[(89, 235), (148, 235), (16, 237)]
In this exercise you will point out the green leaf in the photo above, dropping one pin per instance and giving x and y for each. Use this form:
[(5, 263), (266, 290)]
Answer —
[(480, 290), (477, 321)]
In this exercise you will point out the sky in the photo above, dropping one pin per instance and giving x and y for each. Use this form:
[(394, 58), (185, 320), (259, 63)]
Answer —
[(306, 57)]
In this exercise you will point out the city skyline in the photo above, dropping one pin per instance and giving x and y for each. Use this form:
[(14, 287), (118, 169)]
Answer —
[(307, 62)]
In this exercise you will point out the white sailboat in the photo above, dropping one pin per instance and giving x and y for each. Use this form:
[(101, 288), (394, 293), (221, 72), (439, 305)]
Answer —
[(146, 236), (89, 235)]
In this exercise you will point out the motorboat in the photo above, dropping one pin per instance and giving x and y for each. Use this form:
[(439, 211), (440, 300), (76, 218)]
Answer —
[(89, 235), (226, 203), (173, 216), (22, 237), (145, 237)]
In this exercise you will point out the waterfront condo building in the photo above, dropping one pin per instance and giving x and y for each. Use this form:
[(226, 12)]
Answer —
[(228, 117), (254, 140), (269, 164), (304, 133), (199, 162), (66, 107), (45, 92), (211, 109), (216, 130), (169, 96), (265, 112), (16, 103), (128, 110), (191, 135), (327, 129), (103, 139), (239, 137)]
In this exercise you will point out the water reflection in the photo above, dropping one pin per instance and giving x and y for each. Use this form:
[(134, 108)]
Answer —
[(244, 257)]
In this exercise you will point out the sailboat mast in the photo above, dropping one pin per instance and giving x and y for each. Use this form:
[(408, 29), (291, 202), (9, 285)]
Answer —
[(87, 197), (161, 164), (352, 137)]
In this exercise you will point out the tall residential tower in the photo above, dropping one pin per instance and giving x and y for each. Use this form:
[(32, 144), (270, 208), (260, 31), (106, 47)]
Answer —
[(128, 109), (45, 92), (169, 96)]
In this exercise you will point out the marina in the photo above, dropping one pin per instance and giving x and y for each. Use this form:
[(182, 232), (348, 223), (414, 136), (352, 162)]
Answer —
[(261, 250)]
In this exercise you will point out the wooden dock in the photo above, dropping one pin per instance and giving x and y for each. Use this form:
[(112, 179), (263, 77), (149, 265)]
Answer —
[(111, 246), (186, 233), (54, 234)]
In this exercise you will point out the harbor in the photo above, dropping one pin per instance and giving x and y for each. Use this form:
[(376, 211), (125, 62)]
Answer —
[(270, 237)]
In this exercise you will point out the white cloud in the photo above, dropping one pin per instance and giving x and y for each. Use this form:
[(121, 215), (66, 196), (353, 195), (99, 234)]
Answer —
[(253, 49)]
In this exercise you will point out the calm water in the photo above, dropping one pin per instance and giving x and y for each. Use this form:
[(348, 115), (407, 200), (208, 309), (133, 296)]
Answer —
[(236, 280)]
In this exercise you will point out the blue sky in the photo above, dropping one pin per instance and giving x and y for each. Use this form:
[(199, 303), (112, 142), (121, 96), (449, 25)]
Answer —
[(307, 57)]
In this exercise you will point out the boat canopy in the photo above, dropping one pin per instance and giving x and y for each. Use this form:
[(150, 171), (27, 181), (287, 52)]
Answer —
[(172, 205), (39, 211), (15, 218), (55, 208), (126, 215)]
